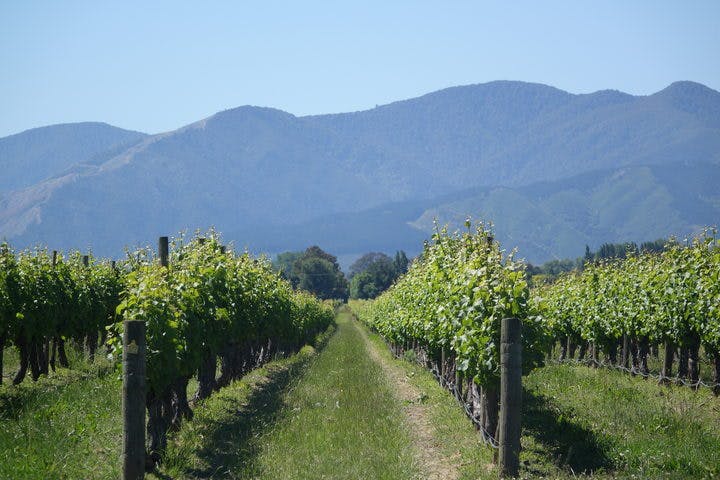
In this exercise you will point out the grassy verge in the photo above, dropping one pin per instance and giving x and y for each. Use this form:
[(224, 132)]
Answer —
[(579, 419), (67, 425), (326, 415), (456, 436)]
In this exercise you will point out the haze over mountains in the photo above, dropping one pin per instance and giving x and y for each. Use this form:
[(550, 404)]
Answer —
[(554, 171)]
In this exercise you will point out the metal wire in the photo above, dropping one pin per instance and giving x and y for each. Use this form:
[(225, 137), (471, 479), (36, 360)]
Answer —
[(452, 387), (634, 371), (489, 439)]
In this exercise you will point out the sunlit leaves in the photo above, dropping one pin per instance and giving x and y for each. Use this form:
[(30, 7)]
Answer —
[(455, 297), (666, 296)]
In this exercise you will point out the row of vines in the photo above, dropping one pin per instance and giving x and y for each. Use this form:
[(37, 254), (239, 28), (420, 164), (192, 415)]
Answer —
[(208, 304), (203, 306), (450, 305), (47, 299), (626, 308)]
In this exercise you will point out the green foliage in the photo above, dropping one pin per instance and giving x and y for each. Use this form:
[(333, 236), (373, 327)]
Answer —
[(284, 262), (666, 296), (454, 297), (42, 298), (401, 262), (375, 272), (208, 298), (318, 272)]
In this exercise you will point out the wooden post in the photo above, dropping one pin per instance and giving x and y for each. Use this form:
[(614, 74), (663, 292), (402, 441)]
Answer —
[(510, 396), (133, 400), (163, 251)]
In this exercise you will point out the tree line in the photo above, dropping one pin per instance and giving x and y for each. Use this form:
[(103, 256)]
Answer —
[(318, 272)]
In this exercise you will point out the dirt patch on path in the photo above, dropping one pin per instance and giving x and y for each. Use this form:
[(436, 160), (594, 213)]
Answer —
[(433, 463)]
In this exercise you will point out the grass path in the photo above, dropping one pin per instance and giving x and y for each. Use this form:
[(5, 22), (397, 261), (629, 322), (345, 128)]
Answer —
[(331, 414), (66, 426), (434, 465), (349, 410), (341, 419)]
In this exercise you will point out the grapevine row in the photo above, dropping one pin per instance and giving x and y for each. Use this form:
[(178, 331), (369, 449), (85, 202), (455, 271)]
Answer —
[(202, 306), (670, 298), (450, 305), (208, 303), (46, 299)]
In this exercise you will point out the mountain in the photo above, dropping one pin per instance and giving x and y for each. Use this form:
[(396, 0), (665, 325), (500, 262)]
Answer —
[(35, 155), (269, 179), (546, 220)]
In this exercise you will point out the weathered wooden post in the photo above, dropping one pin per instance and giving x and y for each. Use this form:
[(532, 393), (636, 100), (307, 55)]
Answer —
[(510, 396), (163, 251), (133, 400)]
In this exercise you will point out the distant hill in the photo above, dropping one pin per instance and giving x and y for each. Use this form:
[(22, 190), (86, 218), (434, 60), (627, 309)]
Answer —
[(35, 155), (545, 221), (273, 181)]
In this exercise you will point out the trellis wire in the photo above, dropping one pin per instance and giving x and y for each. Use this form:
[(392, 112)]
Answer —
[(485, 436), (633, 371)]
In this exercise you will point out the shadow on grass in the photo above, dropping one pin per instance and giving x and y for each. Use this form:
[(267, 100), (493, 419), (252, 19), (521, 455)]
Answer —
[(17, 400), (232, 444), (572, 446)]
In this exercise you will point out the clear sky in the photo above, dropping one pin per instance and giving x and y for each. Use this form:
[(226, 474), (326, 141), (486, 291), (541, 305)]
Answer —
[(157, 65)]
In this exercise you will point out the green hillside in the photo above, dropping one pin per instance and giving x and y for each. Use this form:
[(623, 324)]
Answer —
[(544, 220)]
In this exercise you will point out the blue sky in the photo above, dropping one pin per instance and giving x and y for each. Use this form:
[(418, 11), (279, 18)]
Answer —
[(155, 66)]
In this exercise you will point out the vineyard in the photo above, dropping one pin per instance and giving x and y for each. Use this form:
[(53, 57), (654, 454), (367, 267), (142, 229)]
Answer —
[(199, 302), (47, 299), (449, 305), (623, 310), (447, 309), (211, 316)]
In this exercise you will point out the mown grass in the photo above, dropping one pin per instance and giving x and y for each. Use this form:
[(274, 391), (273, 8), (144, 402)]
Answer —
[(585, 420), (326, 415), (456, 437), (65, 426), (581, 421)]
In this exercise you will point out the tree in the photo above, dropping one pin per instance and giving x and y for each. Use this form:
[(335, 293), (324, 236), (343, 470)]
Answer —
[(318, 272), (401, 263), (364, 262), (284, 264), (373, 273)]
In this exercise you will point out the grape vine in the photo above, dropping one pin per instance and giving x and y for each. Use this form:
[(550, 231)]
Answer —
[(450, 304)]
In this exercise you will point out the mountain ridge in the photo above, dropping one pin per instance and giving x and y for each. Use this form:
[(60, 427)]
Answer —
[(248, 168), (50, 150)]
